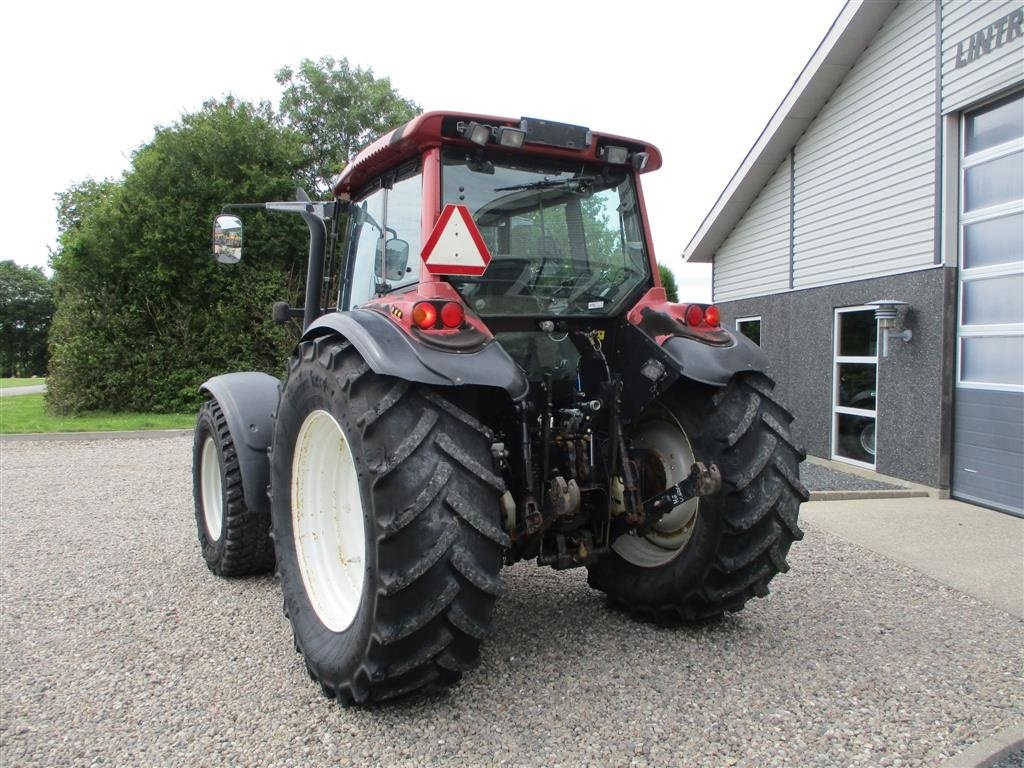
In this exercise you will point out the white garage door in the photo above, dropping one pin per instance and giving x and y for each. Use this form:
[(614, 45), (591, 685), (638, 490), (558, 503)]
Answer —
[(988, 432)]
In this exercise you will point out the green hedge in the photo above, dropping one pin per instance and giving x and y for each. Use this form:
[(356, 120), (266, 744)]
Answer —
[(144, 314)]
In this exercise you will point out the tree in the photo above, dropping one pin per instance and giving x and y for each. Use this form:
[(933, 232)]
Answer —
[(26, 309), (144, 314), (339, 110), (668, 282), (75, 203)]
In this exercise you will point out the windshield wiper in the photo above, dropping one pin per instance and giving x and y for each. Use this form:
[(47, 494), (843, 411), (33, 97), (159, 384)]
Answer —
[(575, 184)]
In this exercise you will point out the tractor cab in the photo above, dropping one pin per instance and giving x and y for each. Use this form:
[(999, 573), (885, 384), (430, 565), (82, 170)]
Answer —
[(558, 208)]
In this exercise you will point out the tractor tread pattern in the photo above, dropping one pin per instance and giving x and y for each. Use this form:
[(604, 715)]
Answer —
[(479, 521), (422, 501), (246, 548), (436, 529), (396, 393), (408, 573), (757, 511), (449, 446)]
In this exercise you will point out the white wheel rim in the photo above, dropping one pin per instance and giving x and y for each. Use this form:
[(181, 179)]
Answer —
[(327, 521), (666, 444), (212, 489)]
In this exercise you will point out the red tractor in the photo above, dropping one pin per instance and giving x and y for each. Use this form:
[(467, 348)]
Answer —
[(489, 371)]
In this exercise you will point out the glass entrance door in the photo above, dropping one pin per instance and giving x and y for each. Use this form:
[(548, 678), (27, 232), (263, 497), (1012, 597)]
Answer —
[(855, 386)]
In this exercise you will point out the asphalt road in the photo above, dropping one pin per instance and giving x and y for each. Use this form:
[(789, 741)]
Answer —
[(118, 647), (29, 390)]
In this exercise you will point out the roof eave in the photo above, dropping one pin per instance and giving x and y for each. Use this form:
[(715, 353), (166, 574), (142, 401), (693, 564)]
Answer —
[(851, 32)]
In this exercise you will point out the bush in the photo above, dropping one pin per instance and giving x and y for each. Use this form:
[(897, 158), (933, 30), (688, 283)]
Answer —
[(144, 314)]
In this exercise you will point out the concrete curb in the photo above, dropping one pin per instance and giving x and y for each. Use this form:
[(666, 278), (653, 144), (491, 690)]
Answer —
[(82, 436), (989, 751), (868, 474), (876, 493)]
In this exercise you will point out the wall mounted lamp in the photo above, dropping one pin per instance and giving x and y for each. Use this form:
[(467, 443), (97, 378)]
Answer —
[(886, 311)]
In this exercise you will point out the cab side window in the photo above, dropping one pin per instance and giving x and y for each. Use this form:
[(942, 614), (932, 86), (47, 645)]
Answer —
[(384, 240), (365, 232)]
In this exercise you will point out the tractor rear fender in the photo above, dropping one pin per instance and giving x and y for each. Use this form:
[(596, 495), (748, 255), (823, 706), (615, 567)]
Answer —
[(715, 365), (651, 363), (248, 401), (710, 355), (391, 352)]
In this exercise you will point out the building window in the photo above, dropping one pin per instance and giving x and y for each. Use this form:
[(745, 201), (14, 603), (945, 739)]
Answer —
[(750, 327), (855, 387), (991, 310)]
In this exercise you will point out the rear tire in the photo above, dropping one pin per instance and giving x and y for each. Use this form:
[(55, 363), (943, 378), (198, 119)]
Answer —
[(412, 516), (235, 541), (724, 550)]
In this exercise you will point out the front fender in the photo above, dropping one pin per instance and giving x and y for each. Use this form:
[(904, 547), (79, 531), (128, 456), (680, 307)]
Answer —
[(248, 401), (390, 352)]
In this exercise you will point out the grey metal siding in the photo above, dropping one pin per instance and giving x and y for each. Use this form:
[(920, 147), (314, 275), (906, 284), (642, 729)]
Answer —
[(997, 70), (988, 443), (864, 195), (754, 259)]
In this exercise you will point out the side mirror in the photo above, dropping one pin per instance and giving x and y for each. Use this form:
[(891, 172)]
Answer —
[(227, 239), (396, 259)]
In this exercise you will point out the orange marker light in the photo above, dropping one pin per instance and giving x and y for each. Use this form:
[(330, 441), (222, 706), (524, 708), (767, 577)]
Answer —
[(424, 315)]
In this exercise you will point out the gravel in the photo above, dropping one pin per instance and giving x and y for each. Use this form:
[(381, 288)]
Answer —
[(820, 478), (118, 647)]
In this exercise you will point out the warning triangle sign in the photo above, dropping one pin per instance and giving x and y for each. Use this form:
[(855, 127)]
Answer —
[(455, 246)]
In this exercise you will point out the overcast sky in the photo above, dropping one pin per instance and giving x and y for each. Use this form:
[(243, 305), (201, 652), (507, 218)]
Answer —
[(86, 83)]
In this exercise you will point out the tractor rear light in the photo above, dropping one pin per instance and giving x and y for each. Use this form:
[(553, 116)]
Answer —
[(424, 315), (694, 315), (452, 315), (433, 315), (712, 317)]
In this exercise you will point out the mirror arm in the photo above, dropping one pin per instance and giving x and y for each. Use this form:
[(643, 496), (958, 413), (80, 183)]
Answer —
[(315, 215), (324, 210)]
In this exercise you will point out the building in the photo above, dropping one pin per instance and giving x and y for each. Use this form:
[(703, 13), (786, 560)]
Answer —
[(893, 170)]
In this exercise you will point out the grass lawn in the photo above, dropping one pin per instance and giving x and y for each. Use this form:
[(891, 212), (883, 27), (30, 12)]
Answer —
[(24, 413), (4, 383)]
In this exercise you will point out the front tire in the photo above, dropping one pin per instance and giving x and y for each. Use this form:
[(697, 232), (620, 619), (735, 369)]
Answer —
[(235, 541), (386, 524), (710, 556)]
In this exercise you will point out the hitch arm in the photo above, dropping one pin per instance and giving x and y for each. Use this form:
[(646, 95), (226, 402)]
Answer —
[(702, 481)]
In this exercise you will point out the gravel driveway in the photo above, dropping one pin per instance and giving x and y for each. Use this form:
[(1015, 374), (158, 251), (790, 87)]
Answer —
[(118, 647)]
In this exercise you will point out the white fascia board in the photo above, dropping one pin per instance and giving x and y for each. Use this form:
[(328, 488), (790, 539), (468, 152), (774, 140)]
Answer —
[(849, 35)]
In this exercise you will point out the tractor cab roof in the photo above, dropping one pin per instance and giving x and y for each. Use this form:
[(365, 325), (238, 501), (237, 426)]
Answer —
[(539, 138)]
